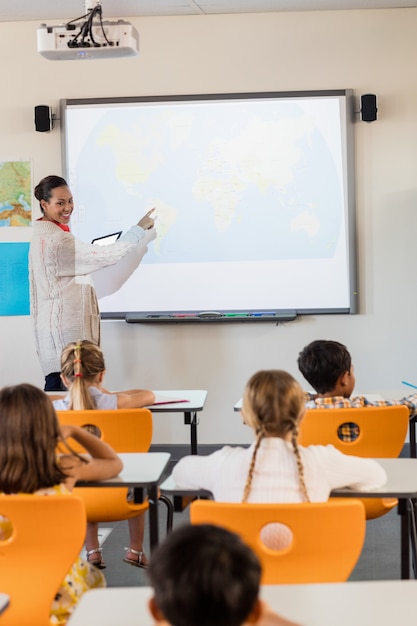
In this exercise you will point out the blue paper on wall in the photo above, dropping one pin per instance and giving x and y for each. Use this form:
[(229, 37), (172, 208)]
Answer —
[(14, 279)]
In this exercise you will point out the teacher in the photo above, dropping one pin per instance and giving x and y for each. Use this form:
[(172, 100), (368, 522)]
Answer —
[(63, 301)]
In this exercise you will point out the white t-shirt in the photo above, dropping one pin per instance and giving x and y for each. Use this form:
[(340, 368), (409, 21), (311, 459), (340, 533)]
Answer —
[(100, 399), (275, 477)]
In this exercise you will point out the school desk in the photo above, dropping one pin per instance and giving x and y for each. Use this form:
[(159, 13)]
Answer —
[(322, 604), (143, 471), (402, 484), (195, 400)]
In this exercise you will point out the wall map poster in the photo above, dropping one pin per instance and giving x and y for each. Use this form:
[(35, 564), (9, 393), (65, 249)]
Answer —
[(15, 193)]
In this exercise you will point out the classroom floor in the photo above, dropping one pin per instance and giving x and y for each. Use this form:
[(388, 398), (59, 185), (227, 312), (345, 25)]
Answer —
[(380, 559)]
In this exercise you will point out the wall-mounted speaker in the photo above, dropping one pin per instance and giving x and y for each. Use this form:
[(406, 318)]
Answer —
[(368, 107), (43, 118)]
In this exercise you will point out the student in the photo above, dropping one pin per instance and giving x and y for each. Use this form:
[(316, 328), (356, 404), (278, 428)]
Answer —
[(29, 431), (275, 468), (327, 366), (206, 575), (82, 372), (63, 301)]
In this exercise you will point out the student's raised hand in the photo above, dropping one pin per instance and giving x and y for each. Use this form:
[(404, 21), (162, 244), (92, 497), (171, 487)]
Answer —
[(147, 222)]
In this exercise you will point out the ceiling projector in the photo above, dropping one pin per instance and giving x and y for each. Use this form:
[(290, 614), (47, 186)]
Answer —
[(88, 37)]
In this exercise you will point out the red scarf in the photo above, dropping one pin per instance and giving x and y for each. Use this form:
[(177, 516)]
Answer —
[(62, 226)]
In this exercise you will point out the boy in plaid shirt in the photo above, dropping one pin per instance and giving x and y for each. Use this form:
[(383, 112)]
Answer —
[(327, 366)]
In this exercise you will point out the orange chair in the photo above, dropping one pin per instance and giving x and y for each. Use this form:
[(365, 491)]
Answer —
[(126, 430), (327, 536), (382, 433), (48, 535)]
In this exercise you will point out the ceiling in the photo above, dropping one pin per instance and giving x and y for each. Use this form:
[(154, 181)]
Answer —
[(62, 10)]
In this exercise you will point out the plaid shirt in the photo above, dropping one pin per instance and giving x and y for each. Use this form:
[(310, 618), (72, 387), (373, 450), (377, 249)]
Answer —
[(349, 431)]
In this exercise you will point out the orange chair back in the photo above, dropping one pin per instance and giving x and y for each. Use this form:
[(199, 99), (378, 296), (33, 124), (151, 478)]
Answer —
[(382, 433), (382, 429), (48, 535), (327, 536), (126, 430)]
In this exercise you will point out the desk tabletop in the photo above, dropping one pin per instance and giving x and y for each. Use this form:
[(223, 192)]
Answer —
[(365, 602), (170, 488), (401, 481), (140, 469), (195, 400), (238, 405)]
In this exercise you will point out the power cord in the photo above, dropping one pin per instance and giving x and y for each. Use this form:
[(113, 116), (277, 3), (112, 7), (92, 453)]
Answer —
[(80, 40)]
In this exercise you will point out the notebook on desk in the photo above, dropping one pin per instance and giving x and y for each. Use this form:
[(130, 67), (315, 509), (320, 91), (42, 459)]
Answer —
[(167, 400)]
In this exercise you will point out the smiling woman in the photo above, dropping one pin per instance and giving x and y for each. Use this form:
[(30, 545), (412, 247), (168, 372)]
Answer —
[(63, 302)]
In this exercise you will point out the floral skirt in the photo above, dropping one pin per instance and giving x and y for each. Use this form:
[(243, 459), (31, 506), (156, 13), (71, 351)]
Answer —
[(81, 577)]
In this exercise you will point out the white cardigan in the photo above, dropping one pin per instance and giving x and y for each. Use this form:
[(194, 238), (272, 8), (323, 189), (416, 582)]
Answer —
[(63, 302)]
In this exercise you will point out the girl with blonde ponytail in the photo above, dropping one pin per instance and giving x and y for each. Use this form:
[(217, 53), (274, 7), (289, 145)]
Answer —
[(274, 468), (82, 372)]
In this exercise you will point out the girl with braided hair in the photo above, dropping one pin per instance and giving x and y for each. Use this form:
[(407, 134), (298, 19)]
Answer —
[(82, 372), (274, 468)]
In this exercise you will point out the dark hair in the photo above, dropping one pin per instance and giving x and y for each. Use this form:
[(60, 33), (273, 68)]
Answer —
[(322, 362), (43, 190), (29, 433), (204, 575)]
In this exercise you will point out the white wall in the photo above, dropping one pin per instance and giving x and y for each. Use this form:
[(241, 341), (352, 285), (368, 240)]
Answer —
[(368, 51)]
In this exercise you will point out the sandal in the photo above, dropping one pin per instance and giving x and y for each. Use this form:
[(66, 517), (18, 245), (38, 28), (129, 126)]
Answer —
[(136, 562), (98, 562)]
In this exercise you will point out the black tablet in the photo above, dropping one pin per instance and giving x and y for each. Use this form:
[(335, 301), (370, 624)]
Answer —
[(103, 241)]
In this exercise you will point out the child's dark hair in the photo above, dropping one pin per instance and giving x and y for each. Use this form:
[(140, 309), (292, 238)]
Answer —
[(322, 362), (204, 575)]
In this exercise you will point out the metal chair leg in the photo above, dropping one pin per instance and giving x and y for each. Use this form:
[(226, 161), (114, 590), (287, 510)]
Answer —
[(412, 503), (170, 510)]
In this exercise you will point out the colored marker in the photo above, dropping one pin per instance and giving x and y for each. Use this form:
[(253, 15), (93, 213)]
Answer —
[(408, 384), (264, 314), (237, 314)]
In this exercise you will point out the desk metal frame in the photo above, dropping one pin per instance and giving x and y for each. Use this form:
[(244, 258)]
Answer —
[(195, 403), (412, 436), (142, 471), (401, 484)]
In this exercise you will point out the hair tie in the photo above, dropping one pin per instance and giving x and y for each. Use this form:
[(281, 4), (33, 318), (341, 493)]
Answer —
[(77, 361), (78, 375)]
